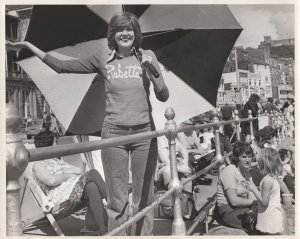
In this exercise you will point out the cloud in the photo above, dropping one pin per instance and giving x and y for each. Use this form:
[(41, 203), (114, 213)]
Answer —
[(259, 21), (284, 24)]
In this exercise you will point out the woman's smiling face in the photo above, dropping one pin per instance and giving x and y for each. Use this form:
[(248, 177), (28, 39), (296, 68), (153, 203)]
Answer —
[(125, 38)]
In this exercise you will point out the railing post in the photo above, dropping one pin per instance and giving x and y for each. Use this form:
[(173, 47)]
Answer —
[(251, 125), (16, 163), (217, 137), (237, 118), (178, 225)]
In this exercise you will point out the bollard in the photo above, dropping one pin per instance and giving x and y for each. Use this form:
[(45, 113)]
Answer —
[(237, 118), (251, 125), (178, 225), (16, 163)]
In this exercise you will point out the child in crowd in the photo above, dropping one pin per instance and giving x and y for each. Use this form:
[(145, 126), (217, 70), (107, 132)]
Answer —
[(270, 215)]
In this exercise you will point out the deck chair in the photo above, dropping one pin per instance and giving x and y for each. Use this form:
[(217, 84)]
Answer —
[(50, 214)]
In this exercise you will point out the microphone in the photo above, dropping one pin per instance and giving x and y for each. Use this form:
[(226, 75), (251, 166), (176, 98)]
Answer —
[(146, 64), (151, 68)]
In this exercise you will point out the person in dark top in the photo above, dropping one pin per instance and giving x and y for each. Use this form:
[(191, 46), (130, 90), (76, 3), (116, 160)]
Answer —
[(250, 105), (128, 111), (269, 106), (226, 111), (46, 121)]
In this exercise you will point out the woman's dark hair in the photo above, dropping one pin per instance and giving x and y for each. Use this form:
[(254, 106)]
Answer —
[(267, 133), (44, 139), (119, 22), (264, 135), (254, 97), (239, 148), (285, 105)]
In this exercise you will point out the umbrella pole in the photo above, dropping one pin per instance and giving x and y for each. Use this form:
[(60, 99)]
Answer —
[(178, 225)]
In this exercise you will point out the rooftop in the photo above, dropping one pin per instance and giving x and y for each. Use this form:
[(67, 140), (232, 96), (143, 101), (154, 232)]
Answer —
[(17, 7)]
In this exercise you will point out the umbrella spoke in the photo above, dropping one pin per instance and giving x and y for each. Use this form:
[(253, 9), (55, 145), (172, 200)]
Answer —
[(159, 33), (138, 10)]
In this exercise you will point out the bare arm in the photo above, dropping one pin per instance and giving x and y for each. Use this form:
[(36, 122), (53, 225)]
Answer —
[(283, 187), (263, 197), (163, 154), (235, 200), (25, 44), (227, 158), (43, 174), (183, 151)]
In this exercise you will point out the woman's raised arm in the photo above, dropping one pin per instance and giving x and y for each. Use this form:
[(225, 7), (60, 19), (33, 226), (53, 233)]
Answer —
[(25, 44), (84, 65)]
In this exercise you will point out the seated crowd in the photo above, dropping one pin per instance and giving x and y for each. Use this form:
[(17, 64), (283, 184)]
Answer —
[(256, 179), (253, 181)]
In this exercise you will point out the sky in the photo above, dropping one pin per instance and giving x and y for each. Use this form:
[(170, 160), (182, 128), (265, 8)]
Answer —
[(275, 20)]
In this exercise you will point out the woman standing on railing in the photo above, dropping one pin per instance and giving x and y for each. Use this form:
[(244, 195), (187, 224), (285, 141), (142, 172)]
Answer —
[(127, 77)]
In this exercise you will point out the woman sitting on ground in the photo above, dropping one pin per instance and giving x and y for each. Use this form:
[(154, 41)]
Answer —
[(61, 181), (234, 201)]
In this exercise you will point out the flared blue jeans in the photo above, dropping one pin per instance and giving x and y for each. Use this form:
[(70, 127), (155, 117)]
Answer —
[(143, 156)]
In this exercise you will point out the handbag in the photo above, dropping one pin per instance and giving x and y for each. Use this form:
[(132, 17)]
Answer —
[(166, 206)]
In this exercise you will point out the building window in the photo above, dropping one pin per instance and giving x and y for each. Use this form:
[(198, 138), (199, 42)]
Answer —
[(11, 25), (243, 74), (11, 61), (267, 79)]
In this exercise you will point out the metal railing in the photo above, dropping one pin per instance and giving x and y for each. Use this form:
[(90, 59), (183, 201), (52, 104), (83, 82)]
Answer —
[(18, 156)]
